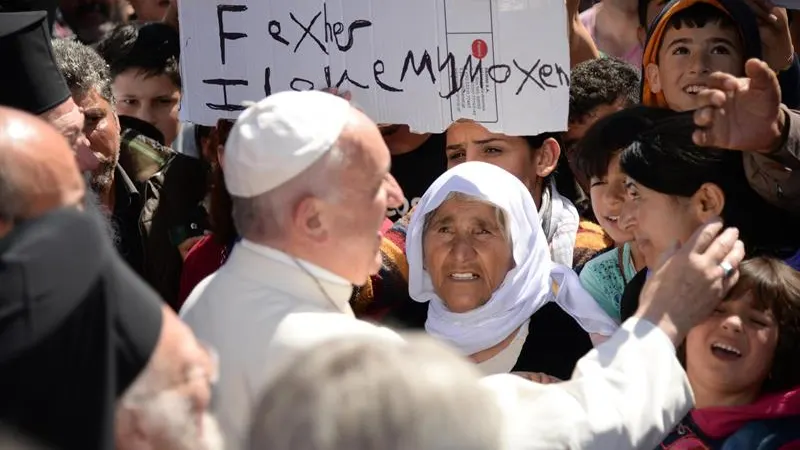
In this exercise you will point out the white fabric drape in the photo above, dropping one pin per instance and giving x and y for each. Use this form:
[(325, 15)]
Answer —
[(526, 288)]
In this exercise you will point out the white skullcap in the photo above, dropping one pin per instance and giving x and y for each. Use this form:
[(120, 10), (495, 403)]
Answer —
[(279, 137)]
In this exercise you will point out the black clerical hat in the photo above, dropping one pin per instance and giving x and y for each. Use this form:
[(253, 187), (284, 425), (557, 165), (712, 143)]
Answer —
[(32, 5), (30, 79)]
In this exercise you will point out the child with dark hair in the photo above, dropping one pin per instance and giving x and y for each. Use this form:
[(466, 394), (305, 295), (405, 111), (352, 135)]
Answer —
[(605, 276), (673, 186), (598, 87), (743, 368), (690, 39), (144, 69)]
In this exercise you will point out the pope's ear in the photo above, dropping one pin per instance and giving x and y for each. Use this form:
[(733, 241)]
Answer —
[(309, 218)]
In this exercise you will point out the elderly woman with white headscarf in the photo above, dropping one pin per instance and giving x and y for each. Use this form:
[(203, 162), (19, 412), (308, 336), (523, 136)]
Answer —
[(478, 256)]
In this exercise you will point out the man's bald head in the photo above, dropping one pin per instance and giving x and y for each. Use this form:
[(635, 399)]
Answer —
[(38, 172)]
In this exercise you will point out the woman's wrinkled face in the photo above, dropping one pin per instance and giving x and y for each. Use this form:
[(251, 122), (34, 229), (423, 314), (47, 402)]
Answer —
[(656, 220), (732, 351), (466, 253)]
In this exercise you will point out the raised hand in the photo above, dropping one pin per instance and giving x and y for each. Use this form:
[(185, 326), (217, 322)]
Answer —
[(692, 280), (741, 113)]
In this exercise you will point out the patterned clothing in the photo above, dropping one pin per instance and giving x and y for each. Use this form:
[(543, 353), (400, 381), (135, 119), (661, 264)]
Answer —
[(605, 280), (591, 241), (560, 222)]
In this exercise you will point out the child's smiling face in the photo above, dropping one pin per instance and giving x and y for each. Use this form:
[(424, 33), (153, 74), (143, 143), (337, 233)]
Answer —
[(688, 55)]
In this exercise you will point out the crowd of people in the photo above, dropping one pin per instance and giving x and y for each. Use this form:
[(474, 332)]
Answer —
[(304, 278)]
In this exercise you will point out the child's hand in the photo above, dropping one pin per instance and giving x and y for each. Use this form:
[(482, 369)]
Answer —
[(776, 37)]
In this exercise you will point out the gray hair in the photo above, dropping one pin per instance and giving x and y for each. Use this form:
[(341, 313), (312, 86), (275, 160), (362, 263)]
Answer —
[(166, 412), (264, 216), (359, 393), (499, 213), (83, 68)]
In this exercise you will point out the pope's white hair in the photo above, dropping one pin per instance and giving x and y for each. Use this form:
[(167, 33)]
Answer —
[(166, 414), (360, 393)]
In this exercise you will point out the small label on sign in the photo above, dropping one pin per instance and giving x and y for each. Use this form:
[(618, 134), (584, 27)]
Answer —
[(479, 48)]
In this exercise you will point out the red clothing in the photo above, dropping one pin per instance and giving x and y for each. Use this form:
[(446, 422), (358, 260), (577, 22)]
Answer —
[(713, 428), (202, 260)]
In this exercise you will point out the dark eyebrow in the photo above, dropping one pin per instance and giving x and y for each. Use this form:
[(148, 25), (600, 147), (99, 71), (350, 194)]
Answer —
[(460, 145), (488, 141), (720, 40), (443, 220), (680, 41), (485, 223), (94, 110)]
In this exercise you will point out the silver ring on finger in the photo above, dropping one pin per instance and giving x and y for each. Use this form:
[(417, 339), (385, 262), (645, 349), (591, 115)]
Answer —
[(727, 269)]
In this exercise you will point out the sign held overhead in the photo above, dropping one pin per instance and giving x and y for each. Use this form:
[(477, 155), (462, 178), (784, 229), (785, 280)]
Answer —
[(425, 63)]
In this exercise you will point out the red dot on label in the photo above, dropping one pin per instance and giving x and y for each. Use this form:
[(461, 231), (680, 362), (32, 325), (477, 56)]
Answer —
[(479, 48)]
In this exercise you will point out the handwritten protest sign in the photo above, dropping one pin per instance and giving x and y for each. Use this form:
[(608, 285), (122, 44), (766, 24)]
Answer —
[(425, 63)]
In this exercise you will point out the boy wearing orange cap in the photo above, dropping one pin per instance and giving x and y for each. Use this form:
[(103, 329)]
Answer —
[(690, 39)]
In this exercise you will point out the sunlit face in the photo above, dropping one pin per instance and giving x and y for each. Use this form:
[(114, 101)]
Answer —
[(466, 253), (688, 56), (359, 214), (101, 127), (608, 195), (68, 119), (153, 99), (732, 351), (470, 141), (656, 220)]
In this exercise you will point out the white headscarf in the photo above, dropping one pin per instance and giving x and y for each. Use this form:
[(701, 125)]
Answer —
[(526, 288)]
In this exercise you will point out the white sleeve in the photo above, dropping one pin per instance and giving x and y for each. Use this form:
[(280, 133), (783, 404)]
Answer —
[(627, 393)]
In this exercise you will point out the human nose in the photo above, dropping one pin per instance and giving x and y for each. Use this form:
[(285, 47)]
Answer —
[(701, 63), (462, 248), (394, 193), (147, 114), (87, 161), (732, 323), (203, 376)]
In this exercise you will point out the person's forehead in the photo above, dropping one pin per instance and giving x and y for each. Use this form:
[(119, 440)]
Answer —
[(91, 99), (468, 130), (136, 81), (70, 121), (711, 31)]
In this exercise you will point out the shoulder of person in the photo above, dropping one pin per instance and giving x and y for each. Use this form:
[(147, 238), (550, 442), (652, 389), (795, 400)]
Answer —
[(310, 328)]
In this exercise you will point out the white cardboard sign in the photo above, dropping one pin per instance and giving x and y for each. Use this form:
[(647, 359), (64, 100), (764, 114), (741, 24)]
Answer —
[(425, 63)]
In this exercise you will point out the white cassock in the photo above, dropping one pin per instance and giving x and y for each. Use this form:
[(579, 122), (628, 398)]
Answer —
[(261, 307)]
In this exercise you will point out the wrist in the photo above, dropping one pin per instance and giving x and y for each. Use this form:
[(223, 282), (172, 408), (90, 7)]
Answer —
[(780, 129), (787, 63), (664, 322)]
